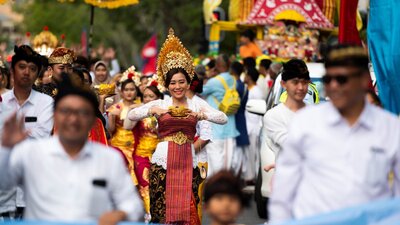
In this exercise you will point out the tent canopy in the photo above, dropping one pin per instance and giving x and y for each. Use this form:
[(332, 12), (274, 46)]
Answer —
[(306, 11)]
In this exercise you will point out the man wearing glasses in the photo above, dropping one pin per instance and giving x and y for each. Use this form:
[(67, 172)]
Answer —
[(65, 177), (340, 153)]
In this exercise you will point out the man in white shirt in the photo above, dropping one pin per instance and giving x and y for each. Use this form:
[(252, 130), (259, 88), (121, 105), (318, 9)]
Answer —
[(65, 177), (253, 125), (295, 80), (36, 108), (340, 153)]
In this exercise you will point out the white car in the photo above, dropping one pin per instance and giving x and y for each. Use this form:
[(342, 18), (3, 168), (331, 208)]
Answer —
[(267, 156)]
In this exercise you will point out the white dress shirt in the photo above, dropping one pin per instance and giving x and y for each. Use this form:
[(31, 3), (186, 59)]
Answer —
[(39, 106), (276, 126), (326, 164), (254, 121), (59, 188)]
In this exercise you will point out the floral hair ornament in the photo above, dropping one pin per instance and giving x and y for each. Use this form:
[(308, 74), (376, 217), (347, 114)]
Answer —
[(131, 74), (154, 80), (173, 55)]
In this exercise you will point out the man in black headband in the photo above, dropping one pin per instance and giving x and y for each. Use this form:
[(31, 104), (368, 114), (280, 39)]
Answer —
[(36, 108), (66, 177), (295, 80), (340, 153)]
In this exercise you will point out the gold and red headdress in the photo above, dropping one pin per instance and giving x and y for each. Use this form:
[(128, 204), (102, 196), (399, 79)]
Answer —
[(132, 74), (62, 55), (173, 55)]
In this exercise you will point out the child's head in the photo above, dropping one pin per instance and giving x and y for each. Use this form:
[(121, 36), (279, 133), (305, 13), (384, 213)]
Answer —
[(223, 197)]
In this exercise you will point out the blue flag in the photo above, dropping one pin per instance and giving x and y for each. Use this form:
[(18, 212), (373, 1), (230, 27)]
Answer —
[(384, 48)]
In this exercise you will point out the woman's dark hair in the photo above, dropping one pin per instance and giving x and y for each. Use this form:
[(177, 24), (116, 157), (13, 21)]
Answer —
[(79, 73), (172, 72), (253, 74), (128, 81), (155, 90), (224, 182), (196, 85), (84, 70)]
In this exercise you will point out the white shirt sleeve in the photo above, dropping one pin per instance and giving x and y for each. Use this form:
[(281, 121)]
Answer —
[(124, 194), (288, 174), (12, 165), (213, 115), (276, 130)]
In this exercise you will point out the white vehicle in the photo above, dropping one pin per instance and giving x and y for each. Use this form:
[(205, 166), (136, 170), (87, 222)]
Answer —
[(263, 183)]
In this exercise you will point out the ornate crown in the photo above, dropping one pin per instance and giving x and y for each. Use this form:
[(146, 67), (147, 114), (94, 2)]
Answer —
[(132, 74), (173, 55), (62, 55)]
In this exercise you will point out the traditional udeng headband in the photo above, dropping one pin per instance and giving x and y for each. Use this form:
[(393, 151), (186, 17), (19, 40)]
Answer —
[(338, 54), (173, 55), (62, 56)]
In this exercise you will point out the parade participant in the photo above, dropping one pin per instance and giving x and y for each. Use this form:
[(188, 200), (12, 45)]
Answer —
[(144, 80), (123, 139), (264, 80), (146, 140), (55, 170), (340, 153), (221, 151), (37, 108), (253, 124), (295, 80), (223, 198), (103, 80), (60, 60), (174, 176), (248, 48), (242, 141)]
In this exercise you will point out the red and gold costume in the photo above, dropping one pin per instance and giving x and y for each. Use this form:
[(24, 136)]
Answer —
[(123, 139), (146, 140)]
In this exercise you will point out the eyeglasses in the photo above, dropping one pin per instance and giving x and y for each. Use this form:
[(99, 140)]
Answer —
[(341, 79), (81, 113)]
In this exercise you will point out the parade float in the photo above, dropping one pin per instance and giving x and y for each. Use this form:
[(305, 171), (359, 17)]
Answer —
[(284, 28)]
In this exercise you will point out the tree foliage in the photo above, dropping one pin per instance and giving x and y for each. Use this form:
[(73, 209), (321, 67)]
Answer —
[(125, 28)]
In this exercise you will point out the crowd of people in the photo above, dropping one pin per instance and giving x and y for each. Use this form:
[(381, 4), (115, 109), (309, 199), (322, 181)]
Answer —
[(82, 142)]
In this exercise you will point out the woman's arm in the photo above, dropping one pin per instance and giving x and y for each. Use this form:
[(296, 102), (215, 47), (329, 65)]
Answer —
[(142, 112), (211, 114)]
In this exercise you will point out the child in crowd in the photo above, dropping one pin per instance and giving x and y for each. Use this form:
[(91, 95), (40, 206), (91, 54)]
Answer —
[(223, 198)]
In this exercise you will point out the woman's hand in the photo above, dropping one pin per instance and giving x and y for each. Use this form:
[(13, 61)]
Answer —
[(198, 115), (157, 111)]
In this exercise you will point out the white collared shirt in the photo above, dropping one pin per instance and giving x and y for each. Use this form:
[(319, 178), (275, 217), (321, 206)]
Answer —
[(58, 188), (326, 164), (39, 106)]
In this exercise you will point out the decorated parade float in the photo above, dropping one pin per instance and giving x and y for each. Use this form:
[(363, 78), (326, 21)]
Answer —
[(284, 28)]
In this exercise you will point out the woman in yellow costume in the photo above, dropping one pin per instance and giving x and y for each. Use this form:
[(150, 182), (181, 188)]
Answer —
[(123, 139), (174, 175)]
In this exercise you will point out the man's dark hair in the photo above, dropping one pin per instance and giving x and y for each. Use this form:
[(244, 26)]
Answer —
[(68, 86), (82, 61), (237, 68), (249, 62), (295, 68), (253, 74), (265, 63), (249, 34), (25, 52)]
